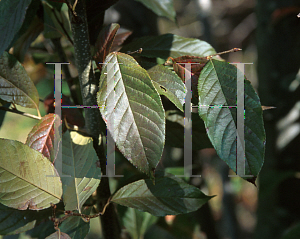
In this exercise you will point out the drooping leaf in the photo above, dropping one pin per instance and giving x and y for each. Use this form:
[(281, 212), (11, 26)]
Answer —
[(132, 110), (27, 178), (15, 84), (13, 221), (12, 15), (217, 90), (169, 196), (41, 137), (80, 163), (136, 222), (104, 43), (169, 45), (58, 235), (169, 84), (175, 131), (163, 8), (76, 227)]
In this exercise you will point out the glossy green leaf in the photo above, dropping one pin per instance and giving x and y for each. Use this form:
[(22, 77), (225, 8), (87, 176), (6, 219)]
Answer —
[(13, 221), (15, 84), (58, 235), (169, 84), (175, 131), (76, 227), (80, 163), (132, 110), (27, 178), (137, 222), (163, 8), (41, 137), (169, 45), (169, 196), (12, 14), (217, 88)]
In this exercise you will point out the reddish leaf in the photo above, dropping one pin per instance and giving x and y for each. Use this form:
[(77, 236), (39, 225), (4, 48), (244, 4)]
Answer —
[(104, 42), (72, 115), (119, 40), (41, 137)]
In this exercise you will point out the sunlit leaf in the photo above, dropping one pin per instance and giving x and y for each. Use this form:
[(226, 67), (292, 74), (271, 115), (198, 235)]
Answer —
[(169, 84), (163, 8), (15, 84), (132, 109), (80, 167), (75, 227), (12, 15), (217, 90), (41, 137), (169, 196), (27, 178), (169, 45)]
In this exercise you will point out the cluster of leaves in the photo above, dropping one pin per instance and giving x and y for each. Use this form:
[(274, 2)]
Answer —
[(130, 91)]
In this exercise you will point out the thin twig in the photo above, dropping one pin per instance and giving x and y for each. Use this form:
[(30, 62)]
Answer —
[(20, 113)]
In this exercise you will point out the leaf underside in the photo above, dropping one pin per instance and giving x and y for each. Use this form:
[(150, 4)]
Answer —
[(27, 178)]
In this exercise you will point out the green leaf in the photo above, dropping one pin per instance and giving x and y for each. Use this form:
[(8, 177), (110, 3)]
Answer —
[(27, 178), (24, 41), (58, 235), (12, 14), (52, 28), (76, 227), (169, 45), (15, 84), (80, 163), (137, 222), (13, 221), (132, 110), (169, 84), (169, 196), (175, 131), (163, 8), (41, 137), (217, 87)]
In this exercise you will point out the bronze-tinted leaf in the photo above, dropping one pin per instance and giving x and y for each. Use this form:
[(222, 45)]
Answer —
[(41, 137)]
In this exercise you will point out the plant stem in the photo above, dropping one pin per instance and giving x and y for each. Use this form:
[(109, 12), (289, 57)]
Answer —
[(20, 113), (94, 124)]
